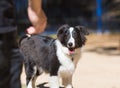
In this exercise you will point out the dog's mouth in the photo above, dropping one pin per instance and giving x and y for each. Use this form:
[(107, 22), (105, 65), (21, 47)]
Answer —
[(71, 50)]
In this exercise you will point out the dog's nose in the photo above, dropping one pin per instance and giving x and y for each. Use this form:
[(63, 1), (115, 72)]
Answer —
[(70, 44)]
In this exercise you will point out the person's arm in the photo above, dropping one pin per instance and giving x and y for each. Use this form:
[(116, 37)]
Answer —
[(37, 17)]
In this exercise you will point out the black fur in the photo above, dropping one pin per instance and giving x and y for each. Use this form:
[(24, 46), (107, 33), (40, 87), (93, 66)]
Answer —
[(36, 50), (83, 32)]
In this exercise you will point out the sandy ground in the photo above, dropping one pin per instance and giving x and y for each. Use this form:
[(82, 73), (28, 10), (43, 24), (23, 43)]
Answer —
[(93, 71)]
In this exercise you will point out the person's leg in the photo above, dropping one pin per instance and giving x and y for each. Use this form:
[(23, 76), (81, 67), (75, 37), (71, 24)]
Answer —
[(15, 68), (15, 59), (4, 65)]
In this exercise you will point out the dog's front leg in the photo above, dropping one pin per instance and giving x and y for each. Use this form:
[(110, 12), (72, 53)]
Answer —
[(31, 83), (54, 82), (31, 78), (67, 81)]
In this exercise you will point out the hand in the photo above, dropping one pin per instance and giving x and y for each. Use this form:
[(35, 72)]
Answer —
[(38, 20)]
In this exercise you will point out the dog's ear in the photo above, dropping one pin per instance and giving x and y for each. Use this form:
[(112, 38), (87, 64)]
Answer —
[(82, 30), (62, 28)]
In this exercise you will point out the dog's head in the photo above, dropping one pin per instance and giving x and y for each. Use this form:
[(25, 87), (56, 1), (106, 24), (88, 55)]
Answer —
[(72, 37)]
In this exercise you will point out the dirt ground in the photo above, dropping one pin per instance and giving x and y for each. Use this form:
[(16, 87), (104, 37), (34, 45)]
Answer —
[(94, 69)]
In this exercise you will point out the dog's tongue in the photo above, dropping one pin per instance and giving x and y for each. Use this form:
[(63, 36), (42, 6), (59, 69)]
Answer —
[(71, 51)]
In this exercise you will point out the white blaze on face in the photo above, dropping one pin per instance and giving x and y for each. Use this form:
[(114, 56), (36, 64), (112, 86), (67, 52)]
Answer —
[(71, 40)]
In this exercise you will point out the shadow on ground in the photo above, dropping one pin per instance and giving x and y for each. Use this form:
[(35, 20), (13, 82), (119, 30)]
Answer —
[(43, 85)]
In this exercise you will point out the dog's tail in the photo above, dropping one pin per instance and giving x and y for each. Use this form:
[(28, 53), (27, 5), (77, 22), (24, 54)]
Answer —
[(23, 37)]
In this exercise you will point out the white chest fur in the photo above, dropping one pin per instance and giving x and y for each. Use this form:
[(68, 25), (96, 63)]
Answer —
[(67, 65)]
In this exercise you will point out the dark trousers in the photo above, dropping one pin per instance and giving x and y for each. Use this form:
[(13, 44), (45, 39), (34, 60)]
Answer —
[(10, 61)]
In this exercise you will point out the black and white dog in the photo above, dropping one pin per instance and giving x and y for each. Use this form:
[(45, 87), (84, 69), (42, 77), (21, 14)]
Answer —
[(58, 57)]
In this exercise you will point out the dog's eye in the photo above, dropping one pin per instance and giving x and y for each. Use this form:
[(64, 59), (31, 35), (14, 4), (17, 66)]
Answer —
[(66, 32), (74, 33)]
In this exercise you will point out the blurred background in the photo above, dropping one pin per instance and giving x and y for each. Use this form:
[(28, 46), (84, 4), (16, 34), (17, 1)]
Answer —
[(100, 17), (97, 15), (99, 66)]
